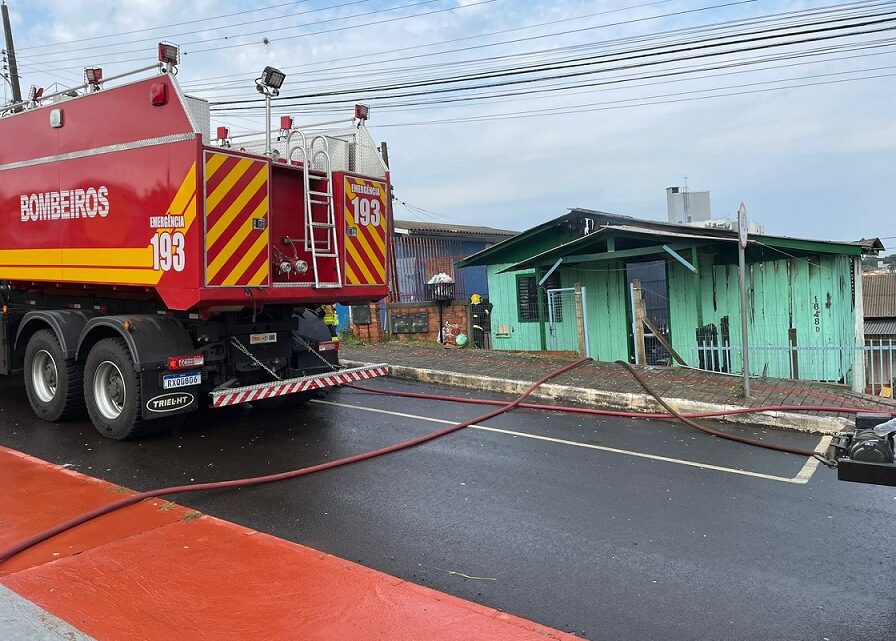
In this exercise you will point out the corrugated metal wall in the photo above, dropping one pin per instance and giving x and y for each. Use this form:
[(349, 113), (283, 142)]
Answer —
[(419, 258)]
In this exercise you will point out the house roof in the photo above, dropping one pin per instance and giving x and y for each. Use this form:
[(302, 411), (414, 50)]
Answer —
[(879, 295), (580, 244), (880, 327), (471, 232), (629, 225)]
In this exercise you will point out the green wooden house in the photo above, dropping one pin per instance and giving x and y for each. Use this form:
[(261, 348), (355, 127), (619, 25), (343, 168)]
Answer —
[(804, 296)]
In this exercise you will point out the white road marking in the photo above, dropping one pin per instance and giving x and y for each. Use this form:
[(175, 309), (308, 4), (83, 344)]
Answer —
[(800, 479), (811, 464)]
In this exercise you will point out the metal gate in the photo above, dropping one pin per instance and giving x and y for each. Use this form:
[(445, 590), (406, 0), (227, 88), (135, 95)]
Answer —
[(563, 335)]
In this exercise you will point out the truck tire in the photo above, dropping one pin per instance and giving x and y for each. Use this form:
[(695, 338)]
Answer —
[(112, 390), (52, 381)]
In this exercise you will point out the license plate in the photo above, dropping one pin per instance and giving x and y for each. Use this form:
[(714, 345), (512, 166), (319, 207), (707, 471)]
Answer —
[(174, 381), (257, 339)]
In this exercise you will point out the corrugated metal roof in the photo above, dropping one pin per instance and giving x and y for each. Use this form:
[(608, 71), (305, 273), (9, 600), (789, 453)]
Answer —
[(450, 229), (492, 255), (874, 328), (592, 238), (879, 295)]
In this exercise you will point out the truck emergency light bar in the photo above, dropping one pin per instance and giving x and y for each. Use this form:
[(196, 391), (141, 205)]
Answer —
[(169, 54)]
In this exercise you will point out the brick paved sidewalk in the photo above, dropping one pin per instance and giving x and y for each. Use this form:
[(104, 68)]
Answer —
[(670, 382)]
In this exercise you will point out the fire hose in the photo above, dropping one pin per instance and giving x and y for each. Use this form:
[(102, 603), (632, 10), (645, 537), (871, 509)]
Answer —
[(503, 406), (708, 430), (270, 478), (671, 412)]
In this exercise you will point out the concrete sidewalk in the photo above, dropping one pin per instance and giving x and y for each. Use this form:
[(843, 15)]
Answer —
[(609, 386)]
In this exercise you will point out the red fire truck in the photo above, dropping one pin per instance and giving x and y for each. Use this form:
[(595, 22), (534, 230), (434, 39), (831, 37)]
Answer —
[(148, 268)]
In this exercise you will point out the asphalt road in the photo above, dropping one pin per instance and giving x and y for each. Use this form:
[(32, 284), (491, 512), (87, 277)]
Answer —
[(611, 529)]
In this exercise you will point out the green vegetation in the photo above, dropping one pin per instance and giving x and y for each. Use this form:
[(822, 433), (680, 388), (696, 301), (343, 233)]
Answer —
[(870, 262)]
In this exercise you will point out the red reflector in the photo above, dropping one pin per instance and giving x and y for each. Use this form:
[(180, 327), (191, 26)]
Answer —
[(328, 346), (176, 363), (158, 94)]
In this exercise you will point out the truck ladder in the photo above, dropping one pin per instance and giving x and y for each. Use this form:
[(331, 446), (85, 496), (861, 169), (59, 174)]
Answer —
[(322, 194)]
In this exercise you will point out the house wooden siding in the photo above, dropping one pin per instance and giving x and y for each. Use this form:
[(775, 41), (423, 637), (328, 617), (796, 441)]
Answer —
[(782, 309), (797, 297)]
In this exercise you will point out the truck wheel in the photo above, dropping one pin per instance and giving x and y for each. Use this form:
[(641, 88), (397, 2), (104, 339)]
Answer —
[(52, 381), (112, 390)]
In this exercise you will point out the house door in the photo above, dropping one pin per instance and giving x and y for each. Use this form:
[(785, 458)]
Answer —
[(562, 329), (654, 290)]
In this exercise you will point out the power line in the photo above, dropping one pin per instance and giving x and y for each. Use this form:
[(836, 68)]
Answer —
[(369, 56), (631, 39), (672, 72), (159, 27), (606, 85), (314, 33), (499, 116), (592, 61), (44, 57)]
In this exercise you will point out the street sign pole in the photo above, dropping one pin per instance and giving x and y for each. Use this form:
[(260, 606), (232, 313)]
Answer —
[(742, 271)]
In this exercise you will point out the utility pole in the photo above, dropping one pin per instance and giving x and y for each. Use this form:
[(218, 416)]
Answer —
[(11, 55)]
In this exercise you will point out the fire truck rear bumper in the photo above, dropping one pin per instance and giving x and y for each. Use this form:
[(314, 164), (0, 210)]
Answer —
[(249, 393)]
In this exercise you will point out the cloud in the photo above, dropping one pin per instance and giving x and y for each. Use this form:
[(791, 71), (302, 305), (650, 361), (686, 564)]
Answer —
[(816, 161)]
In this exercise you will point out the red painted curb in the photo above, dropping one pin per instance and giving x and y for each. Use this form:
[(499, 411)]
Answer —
[(163, 575)]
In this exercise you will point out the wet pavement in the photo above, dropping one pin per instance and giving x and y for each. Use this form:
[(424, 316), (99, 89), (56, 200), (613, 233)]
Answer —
[(607, 528)]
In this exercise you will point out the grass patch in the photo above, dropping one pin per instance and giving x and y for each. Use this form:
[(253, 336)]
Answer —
[(347, 338), (118, 489)]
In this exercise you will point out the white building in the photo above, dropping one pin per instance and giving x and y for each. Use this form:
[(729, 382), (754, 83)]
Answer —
[(686, 207)]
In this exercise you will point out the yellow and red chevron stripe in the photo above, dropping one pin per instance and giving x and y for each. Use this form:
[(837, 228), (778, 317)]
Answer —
[(236, 221), (365, 237)]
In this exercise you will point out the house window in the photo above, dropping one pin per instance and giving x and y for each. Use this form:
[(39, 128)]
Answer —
[(527, 296)]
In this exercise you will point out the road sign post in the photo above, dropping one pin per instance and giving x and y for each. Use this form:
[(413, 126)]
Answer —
[(742, 272)]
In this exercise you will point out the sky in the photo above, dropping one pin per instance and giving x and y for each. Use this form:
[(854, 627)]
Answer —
[(816, 161)]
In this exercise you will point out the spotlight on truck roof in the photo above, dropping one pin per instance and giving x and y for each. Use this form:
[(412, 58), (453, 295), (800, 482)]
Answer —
[(93, 76), (169, 53), (362, 112), (272, 78)]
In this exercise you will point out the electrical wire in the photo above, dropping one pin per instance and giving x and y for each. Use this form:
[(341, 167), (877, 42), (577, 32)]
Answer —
[(164, 26), (500, 117), (229, 47), (886, 25), (674, 75), (686, 31), (46, 58), (368, 57)]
